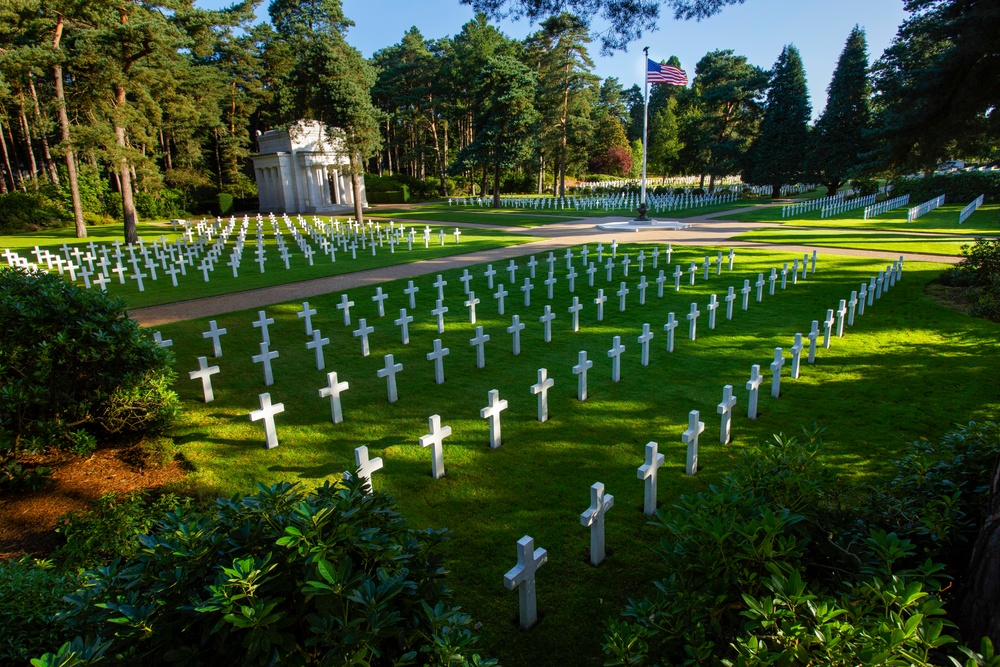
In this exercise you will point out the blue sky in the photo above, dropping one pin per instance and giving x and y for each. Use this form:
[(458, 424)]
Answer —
[(757, 29)]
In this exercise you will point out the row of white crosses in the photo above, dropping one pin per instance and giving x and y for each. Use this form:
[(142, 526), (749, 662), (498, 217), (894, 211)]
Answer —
[(197, 249), (529, 559)]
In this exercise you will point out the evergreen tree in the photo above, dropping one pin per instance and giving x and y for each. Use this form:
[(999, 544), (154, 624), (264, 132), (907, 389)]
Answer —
[(664, 141), (778, 154), (505, 119), (842, 132)]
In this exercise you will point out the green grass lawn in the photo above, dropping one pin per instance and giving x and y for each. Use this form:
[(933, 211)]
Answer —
[(943, 220), (919, 243), (908, 368), (193, 285)]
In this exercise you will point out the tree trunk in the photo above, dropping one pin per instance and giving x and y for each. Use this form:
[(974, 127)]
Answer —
[(125, 176), (541, 174), (832, 187), (218, 159), (17, 160), (50, 164), (565, 135), (496, 186), (711, 183), (775, 191), (74, 185), (27, 143), (6, 160), (980, 614), (356, 187)]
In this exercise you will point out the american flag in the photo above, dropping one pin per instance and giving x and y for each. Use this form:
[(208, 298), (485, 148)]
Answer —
[(657, 73)]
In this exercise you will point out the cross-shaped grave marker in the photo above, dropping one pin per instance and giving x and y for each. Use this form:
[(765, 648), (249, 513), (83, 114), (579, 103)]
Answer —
[(644, 339), (267, 413), (580, 370), (411, 291), (492, 413), (316, 344), (797, 356), (591, 270), (725, 408), (489, 273), (812, 336), (532, 263), (465, 279), (500, 295), (526, 288), (522, 577), (214, 332), (753, 386), (159, 340), (440, 284), (660, 280), (437, 356), (542, 389), (550, 284), (648, 472), (362, 332), (380, 298), (389, 373), (364, 467), (669, 327), (622, 293), (515, 329), (643, 284), (776, 365), (546, 320), (713, 304), (512, 271), (690, 438), (616, 358), (841, 312), (693, 270), (345, 306), (677, 278), (852, 303), (439, 311), (478, 342), (471, 303), (746, 294), (760, 287), (827, 328), (574, 311), (265, 358), (593, 517), (334, 389), (404, 323), (600, 304), (693, 319), (435, 440), (772, 280), (306, 313), (205, 373)]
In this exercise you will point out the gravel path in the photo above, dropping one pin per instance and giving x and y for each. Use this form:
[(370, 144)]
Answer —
[(705, 230)]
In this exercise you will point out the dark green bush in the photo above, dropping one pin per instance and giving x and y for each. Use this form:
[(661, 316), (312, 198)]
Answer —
[(31, 594), (29, 211), (389, 197), (779, 566), (958, 188), (979, 275), (72, 358), (284, 577), (110, 528), (225, 203)]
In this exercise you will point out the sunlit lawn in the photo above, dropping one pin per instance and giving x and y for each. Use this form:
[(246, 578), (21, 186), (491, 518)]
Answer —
[(908, 368), (192, 285), (902, 243)]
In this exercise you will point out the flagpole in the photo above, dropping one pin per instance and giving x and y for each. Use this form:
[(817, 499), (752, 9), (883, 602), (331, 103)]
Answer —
[(645, 120)]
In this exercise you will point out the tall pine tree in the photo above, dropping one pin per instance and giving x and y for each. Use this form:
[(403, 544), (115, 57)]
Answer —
[(841, 137), (778, 155)]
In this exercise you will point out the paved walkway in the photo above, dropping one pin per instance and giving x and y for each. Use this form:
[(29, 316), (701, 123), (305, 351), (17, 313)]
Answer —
[(709, 230)]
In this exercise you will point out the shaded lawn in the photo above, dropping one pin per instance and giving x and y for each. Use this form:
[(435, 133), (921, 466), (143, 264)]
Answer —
[(908, 368), (476, 216), (193, 285), (918, 243)]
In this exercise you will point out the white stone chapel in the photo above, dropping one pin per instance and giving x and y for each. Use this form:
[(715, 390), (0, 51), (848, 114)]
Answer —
[(299, 170)]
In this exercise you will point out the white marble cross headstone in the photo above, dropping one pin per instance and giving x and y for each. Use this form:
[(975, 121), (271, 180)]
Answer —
[(827, 328), (644, 339), (380, 298), (760, 287), (852, 303), (365, 466), (465, 278), (690, 438), (389, 373), (306, 314), (489, 273), (753, 386), (411, 291), (593, 517), (515, 329), (317, 344), (478, 342), (693, 271), (574, 311), (550, 284), (159, 340), (616, 351), (713, 304), (501, 293), (797, 356), (471, 303), (725, 408), (812, 336), (779, 361), (492, 413), (526, 288), (522, 577), (580, 370), (345, 305), (262, 322), (214, 332), (266, 413), (542, 389), (437, 356), (435, 440), (841, 312), (669, 327), (440, 285), (643, 284), (648, 472), (362, 332), (693, 319), (334, 389), (438, 311), (205, 373), (404, 323), (746, 294), (546, 320), (265, 358)]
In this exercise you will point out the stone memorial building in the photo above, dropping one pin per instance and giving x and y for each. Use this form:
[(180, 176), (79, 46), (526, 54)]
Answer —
[(298, 170)]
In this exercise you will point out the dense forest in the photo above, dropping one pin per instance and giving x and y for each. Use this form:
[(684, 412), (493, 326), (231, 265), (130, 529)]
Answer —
[(121, 110)]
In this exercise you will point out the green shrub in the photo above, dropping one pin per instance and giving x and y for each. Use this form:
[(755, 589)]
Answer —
[(225, 205), (389, 197), (779, 566), (31, 594), (71, 358), (30, 211), (110, 528), (979, 275), (283, 577), (958, 188)]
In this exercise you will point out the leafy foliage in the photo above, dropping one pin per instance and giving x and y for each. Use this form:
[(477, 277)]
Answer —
[(979, 275), (29, 211), (286, 576), (31, 594), (72, 357), (778, 566)]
